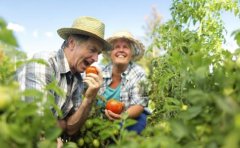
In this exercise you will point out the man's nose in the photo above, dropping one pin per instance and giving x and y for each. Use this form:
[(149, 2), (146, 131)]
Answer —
[(95, 57)]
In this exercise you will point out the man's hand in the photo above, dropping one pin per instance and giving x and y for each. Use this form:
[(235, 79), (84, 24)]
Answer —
[(94, 82), (76, 121)]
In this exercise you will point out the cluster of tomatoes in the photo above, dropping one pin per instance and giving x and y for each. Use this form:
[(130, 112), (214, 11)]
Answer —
[(88, 136), (98, 132)]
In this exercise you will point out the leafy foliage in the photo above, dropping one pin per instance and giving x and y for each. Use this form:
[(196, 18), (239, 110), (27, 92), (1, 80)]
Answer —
[(194, 90), (6, 35), (237, 36), (194, 85), (23, 124)]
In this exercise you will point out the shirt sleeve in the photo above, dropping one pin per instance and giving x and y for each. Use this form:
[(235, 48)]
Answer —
[(35, 76), (139, 94)]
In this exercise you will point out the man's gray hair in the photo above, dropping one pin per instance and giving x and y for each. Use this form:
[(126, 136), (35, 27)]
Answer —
[(79, 38)]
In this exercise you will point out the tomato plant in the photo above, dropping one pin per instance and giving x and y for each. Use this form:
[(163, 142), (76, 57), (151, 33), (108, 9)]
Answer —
[(17, 117), (114, 106), (91, 69), (193, 81), (194, 88)]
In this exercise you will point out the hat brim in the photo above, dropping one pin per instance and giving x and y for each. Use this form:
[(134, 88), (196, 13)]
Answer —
[(137, 45), (65, 32)]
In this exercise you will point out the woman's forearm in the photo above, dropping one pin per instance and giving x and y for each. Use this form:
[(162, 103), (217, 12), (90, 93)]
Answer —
[(134, 111)]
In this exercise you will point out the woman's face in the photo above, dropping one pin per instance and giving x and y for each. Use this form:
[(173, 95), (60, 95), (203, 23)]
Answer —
[(121, 53)]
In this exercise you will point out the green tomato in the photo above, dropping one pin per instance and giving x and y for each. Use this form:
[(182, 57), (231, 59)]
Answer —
[(89, 124), (237, 121), (5, 98), (115, 132), (86, 139), (184, 107), (83, 129), (81, 142), (96, 143)]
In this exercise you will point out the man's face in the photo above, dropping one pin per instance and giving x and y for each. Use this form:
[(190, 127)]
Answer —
[(121, 53), (84, 54)]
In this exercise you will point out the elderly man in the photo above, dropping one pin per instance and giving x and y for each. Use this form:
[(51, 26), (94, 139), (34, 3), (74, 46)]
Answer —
[(83, 42)]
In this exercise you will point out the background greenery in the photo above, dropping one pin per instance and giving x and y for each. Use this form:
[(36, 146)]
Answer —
[(193, 88)]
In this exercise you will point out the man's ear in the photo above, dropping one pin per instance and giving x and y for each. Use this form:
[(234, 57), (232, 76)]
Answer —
[(71, 42)]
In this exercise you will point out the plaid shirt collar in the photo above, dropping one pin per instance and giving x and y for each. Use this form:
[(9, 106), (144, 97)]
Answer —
[(63, 64), (64, 67), (108, 72)]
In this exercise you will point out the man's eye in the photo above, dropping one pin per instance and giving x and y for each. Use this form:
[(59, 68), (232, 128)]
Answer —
[(93, 50)]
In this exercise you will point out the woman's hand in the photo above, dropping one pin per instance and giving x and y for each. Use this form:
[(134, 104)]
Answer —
[(111, 115)]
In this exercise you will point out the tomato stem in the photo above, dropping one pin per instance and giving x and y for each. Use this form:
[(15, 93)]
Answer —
[(102, 98)]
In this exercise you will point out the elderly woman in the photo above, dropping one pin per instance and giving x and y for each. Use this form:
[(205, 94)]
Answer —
[(123, 79)]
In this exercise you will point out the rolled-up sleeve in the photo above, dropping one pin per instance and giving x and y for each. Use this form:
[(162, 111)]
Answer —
[(138, 92)]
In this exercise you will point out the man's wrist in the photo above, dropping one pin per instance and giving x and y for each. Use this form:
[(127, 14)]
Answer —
[(88, 100)]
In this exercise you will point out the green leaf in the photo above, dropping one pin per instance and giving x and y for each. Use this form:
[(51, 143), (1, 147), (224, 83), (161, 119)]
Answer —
[(47, 143), (236, 35), (232, 140), (104, 134), (70, 145), (52, 133), (179, 129), (191, 112), (54, 87), (7, 35), (17, 134), (30, 109), (129, 122), (225, 105), (174, 101), (32, 93)]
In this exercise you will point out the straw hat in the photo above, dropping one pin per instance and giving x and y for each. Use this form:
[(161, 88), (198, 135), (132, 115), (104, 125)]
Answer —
[(138, 46), (86, 26)]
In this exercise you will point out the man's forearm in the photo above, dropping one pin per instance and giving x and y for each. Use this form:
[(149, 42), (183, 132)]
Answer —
[(62, 124), (76, 121)]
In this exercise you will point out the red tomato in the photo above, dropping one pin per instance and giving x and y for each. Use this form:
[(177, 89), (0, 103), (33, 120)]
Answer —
[(114, 106), (91, 69)]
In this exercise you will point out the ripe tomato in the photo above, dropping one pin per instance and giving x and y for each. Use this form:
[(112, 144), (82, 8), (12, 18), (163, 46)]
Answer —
[(91, 69), (114, 106)]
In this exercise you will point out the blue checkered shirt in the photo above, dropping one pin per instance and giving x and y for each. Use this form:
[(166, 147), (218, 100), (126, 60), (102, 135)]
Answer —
[(37, 76), (132, 85)]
